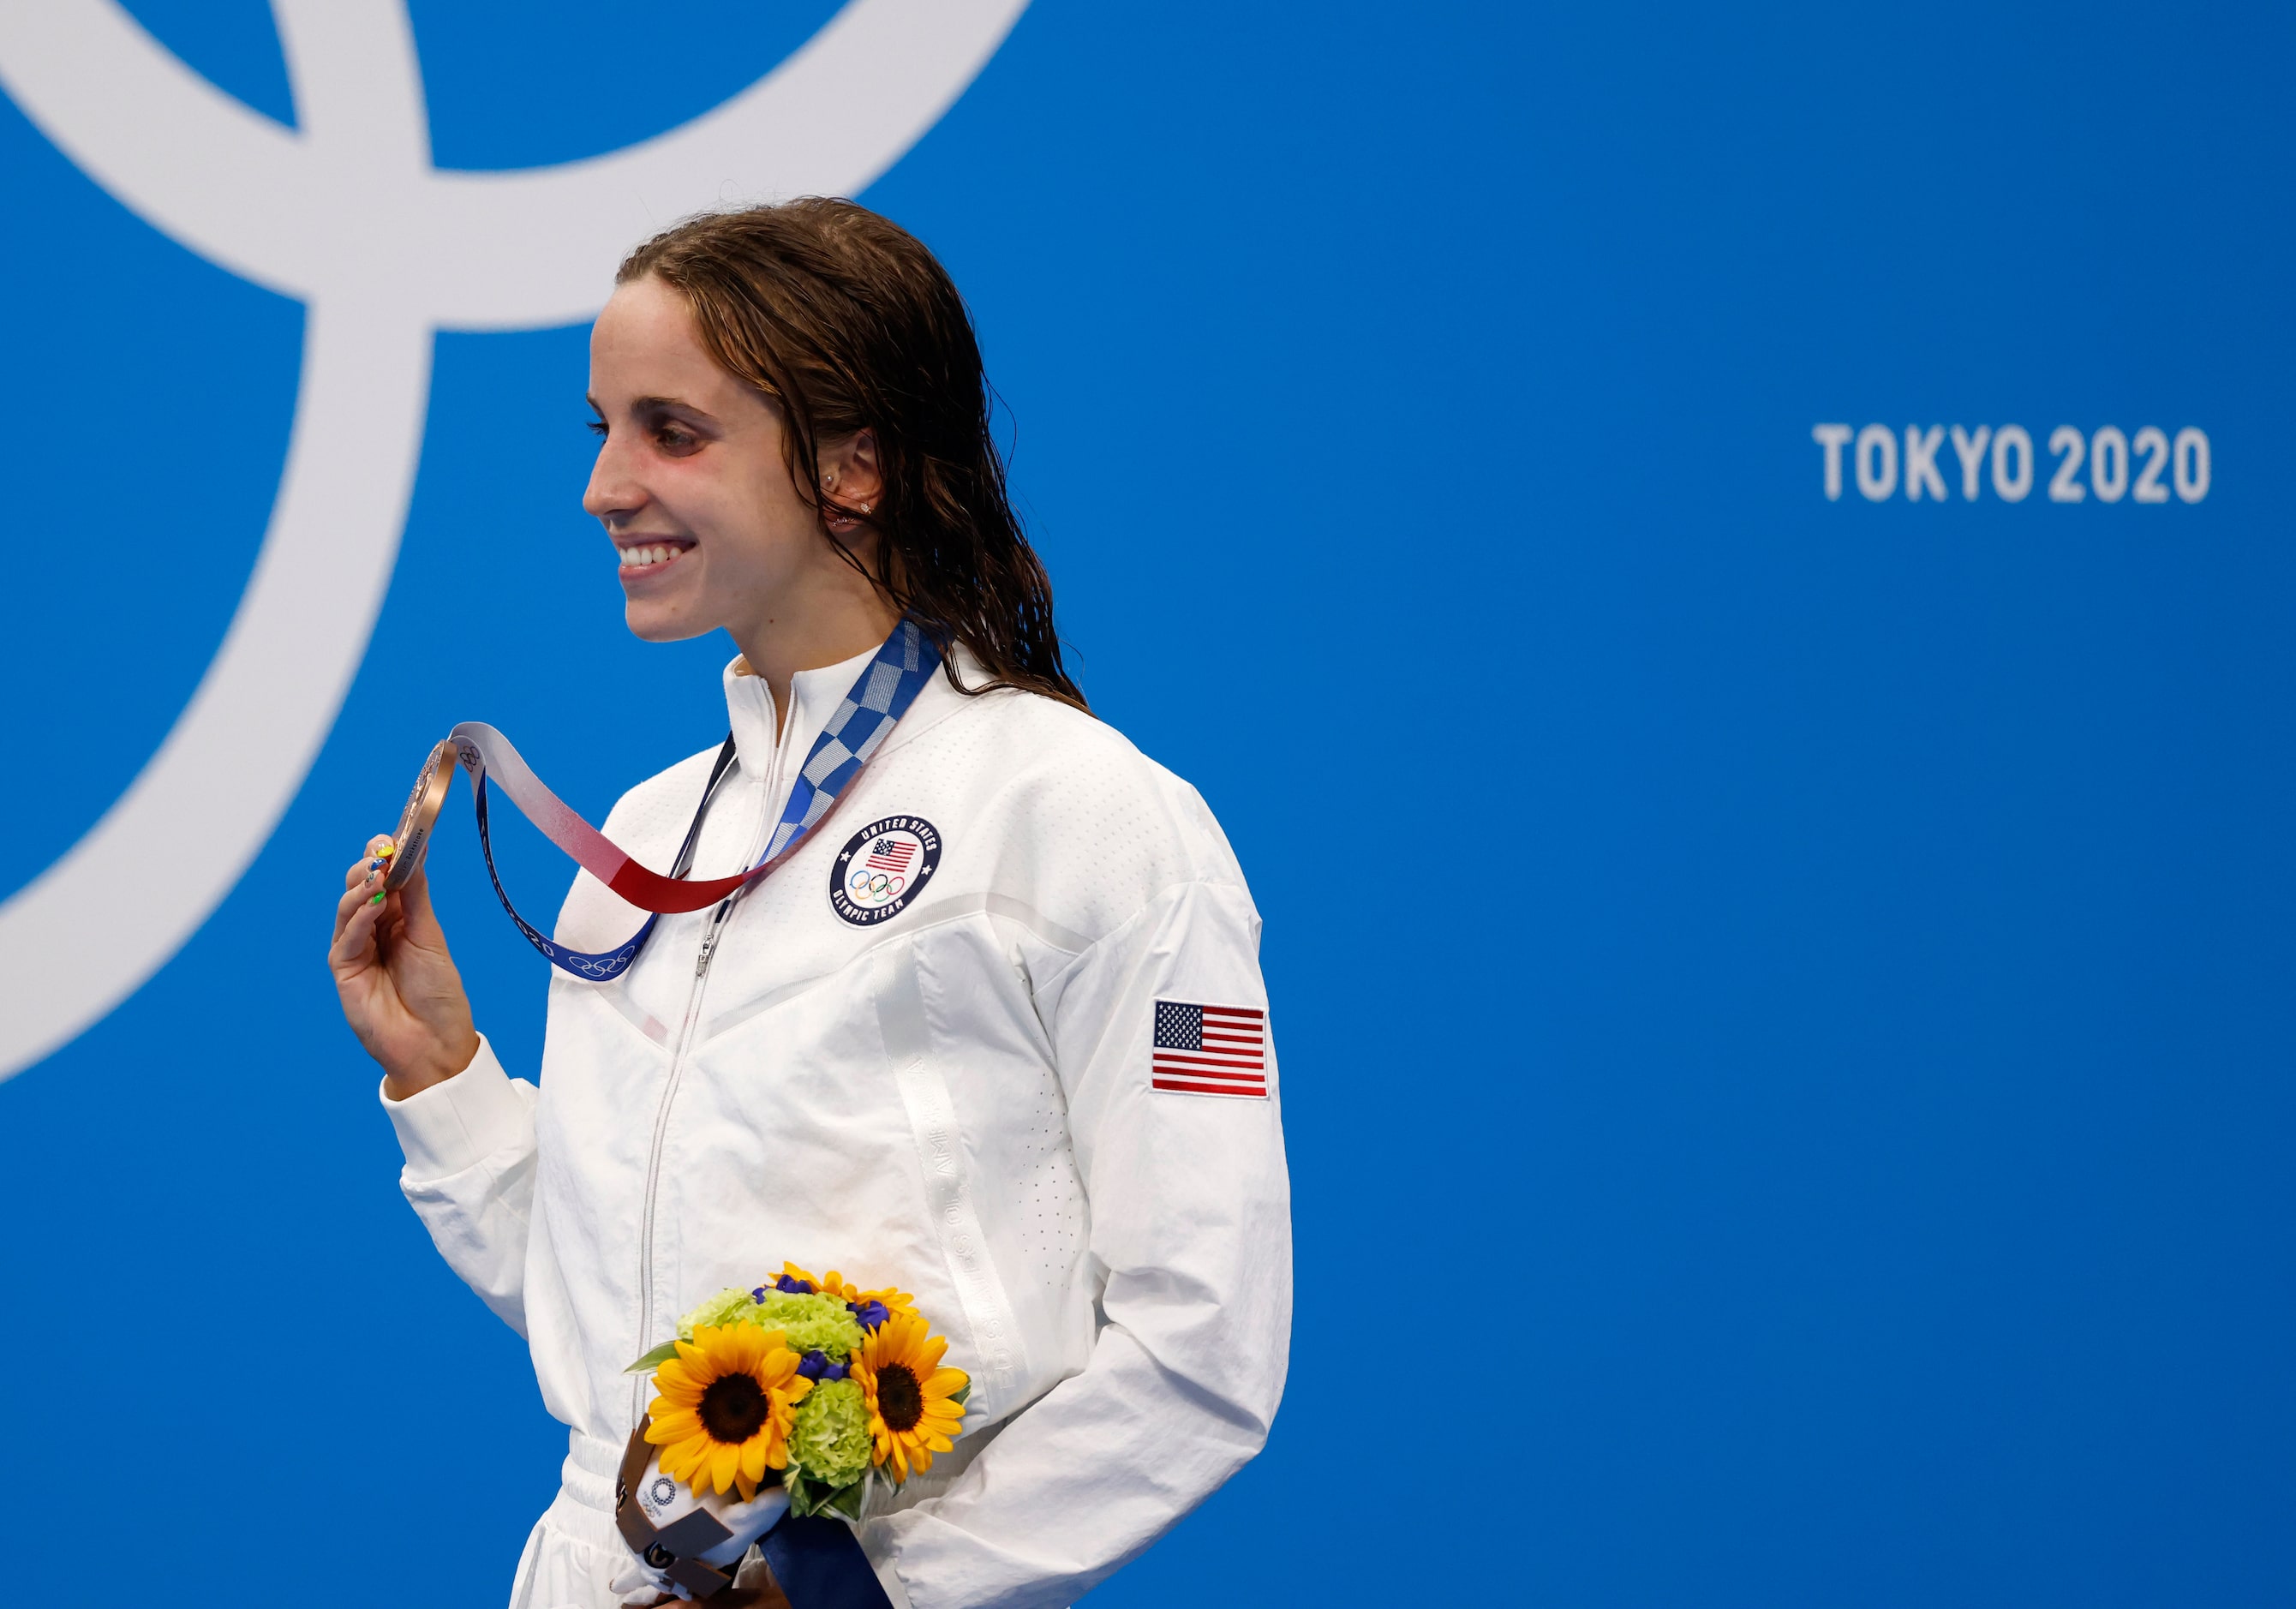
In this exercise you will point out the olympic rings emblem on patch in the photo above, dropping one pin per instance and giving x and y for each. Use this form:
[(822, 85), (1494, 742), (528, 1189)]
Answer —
[(881, 867)]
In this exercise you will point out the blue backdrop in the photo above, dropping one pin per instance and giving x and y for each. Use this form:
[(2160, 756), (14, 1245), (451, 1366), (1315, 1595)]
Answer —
[(1784, 1001)]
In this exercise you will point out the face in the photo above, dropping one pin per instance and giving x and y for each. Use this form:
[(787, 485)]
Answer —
[(691, 483)]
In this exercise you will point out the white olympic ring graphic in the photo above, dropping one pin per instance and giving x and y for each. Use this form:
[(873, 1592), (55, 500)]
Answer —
[(347, 214)]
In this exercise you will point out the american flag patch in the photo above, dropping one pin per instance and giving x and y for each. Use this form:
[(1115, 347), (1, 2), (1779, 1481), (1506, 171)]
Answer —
[(1210, 1049), (890, 855)]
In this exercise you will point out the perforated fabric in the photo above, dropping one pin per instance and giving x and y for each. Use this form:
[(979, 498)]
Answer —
[(953, 1095)]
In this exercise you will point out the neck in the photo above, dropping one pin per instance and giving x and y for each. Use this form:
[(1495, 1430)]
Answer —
[(824, 631)]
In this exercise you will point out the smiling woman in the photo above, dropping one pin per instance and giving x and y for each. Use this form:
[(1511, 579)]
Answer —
[(920, 1047)]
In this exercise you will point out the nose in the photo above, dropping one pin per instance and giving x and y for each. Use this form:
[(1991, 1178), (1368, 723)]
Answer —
[(613, 492)]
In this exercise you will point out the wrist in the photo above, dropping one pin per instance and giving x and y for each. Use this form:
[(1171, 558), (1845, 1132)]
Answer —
[(400, 1083)]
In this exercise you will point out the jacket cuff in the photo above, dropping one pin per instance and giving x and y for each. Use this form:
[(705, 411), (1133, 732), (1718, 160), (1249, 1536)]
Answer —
[(460, 1121)]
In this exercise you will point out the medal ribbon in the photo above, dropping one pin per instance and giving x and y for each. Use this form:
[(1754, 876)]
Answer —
[(886, 688)]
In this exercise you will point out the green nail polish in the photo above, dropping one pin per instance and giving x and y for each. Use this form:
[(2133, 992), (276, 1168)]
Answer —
[(376, 901)]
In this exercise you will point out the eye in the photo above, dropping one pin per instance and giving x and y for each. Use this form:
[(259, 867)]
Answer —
[(596, 427), (676, 439)]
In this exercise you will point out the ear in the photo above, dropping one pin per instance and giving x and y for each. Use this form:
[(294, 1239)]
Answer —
[(849, 474)]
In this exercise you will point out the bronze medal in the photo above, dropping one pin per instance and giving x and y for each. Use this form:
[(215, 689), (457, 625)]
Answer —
[(420, 816)]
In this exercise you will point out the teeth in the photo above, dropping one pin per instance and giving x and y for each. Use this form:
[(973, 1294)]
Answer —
[(658, 552)]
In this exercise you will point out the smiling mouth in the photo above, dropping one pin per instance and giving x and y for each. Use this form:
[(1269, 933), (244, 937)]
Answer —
[(649, 558)]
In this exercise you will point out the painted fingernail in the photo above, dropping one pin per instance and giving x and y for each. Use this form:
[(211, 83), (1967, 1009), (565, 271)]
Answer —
[(376, 901), (377, 864)]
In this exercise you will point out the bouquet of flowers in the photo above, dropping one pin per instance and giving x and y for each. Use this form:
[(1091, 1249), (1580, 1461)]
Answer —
[(810, 1383)]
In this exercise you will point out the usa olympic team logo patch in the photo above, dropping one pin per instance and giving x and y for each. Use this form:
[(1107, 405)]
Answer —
[(881, 867)]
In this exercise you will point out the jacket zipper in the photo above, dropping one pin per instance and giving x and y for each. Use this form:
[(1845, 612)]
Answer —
[(669, 1094)]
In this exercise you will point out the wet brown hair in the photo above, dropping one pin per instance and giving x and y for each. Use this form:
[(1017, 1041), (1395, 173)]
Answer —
[(847, 323)]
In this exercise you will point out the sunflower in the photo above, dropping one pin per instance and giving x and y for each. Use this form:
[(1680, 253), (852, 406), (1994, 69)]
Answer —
[(834, 1284), (796, 1281), (890, 1298), (728, 1401), (911, 1411)]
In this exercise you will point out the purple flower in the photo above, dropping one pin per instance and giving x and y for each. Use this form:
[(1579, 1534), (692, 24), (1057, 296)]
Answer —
[(816, 1365), (794, 1285), (759, 1295), (871, 1313)]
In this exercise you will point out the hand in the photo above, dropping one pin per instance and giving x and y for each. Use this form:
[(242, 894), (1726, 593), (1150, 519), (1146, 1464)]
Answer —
[(399, 989), (753, 1587)]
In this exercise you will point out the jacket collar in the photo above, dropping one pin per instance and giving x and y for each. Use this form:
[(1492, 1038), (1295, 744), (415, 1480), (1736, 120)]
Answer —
[(814, 697)]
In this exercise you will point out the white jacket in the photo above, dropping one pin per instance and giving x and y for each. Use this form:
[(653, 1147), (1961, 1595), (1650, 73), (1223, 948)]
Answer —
[(955, 1098)]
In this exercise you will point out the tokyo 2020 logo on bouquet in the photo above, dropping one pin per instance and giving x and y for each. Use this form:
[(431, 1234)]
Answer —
[(347, 214)]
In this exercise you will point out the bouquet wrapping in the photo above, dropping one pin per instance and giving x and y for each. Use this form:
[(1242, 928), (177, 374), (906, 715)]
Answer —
[(796, 1396)]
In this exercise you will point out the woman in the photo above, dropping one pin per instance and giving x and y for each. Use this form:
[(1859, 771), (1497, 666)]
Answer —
[(959, 1073)]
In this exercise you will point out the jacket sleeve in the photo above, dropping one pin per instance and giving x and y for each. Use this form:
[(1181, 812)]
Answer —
[(469, 1174), (1189, 1249)]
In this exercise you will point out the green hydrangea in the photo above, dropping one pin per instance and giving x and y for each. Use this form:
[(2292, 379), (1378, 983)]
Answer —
[(811, 1323), (814, 1323), (727, 1306), (830, 1442)]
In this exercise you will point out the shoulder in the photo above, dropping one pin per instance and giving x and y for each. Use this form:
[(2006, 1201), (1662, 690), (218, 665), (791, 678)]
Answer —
[(1064, 810)]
